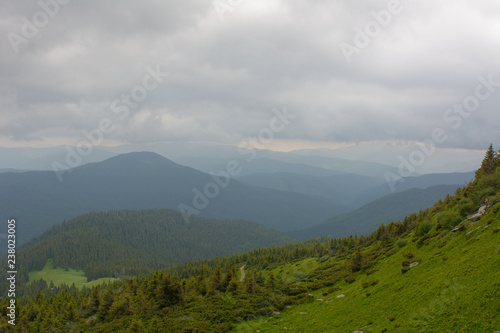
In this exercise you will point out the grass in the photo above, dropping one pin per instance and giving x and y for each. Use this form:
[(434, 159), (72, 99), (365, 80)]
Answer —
[(455, 286), (293, 271), (59, 276)]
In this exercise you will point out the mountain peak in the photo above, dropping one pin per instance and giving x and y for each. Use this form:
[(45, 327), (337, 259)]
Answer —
[(134, 158)]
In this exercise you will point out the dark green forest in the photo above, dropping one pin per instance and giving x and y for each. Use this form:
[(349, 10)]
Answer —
[(123, 243)]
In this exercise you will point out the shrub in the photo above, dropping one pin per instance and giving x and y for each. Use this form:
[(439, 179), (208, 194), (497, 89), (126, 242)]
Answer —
[(401, 242), (424, 239), (441, 235), (223, 327), (371, 271), (370, 263), (423, 228), (331, 290), (409, 255), (407, 259), (350, 278), (405, 269), (486, 191), (465, 207), (449, 219), (367, 284), (442, 244)]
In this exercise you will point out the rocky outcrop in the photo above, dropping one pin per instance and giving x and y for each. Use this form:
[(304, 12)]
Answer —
[(480, 212)]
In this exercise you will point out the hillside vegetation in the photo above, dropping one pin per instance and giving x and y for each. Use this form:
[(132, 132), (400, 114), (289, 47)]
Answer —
[(123, 243), (435, 271)]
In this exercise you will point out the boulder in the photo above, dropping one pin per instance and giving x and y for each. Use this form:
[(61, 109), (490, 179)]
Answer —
[(480, 212)]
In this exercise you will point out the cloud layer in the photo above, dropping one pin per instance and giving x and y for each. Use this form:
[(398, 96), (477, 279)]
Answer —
[(230, 63)]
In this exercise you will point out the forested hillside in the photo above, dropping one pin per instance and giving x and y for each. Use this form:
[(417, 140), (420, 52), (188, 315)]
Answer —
[(435, 271), (124, 243)]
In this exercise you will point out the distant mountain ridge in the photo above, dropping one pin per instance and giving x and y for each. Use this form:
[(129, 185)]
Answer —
[(147, 180), (352, 190), (420, 182), (343, 188), (366, 219)]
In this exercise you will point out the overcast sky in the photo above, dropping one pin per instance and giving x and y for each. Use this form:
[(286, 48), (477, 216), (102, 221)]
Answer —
[(231, 63)]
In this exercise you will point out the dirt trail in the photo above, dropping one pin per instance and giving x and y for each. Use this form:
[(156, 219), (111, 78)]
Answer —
[(242, 270)]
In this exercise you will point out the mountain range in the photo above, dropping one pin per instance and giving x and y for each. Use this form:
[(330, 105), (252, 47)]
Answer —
[(147, 180), (393, 207), (284, 200)]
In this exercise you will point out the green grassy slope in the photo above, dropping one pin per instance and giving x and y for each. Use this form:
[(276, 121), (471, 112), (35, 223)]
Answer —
[(59, 276), (455, 287)]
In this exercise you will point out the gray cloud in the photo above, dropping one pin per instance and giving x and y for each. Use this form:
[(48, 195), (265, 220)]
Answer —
[(226, 76)]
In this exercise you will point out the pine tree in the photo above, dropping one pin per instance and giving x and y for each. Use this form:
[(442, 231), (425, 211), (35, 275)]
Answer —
[(105, 304), (233, 286), (216, 280), (489, 163), (168, 291), (231, 273), (357, 262), (271, 281), (250, 284)]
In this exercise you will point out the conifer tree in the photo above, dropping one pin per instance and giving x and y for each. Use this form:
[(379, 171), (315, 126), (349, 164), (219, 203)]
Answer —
[(357, 262), (271, 281), (233, 286), (216, 280), (489, 163), (105, 304), (231, 273), (250, 284)]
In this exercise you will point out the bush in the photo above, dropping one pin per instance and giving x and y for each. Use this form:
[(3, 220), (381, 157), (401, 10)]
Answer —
[(331, 290), (409, 255), (367, 284), (485, 192), (466, 207), (442, 243), (423, 228), (223, 327), (401, 242), (425, 239), (350, 278), (449, 219), (371, 271), (407, 259)]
